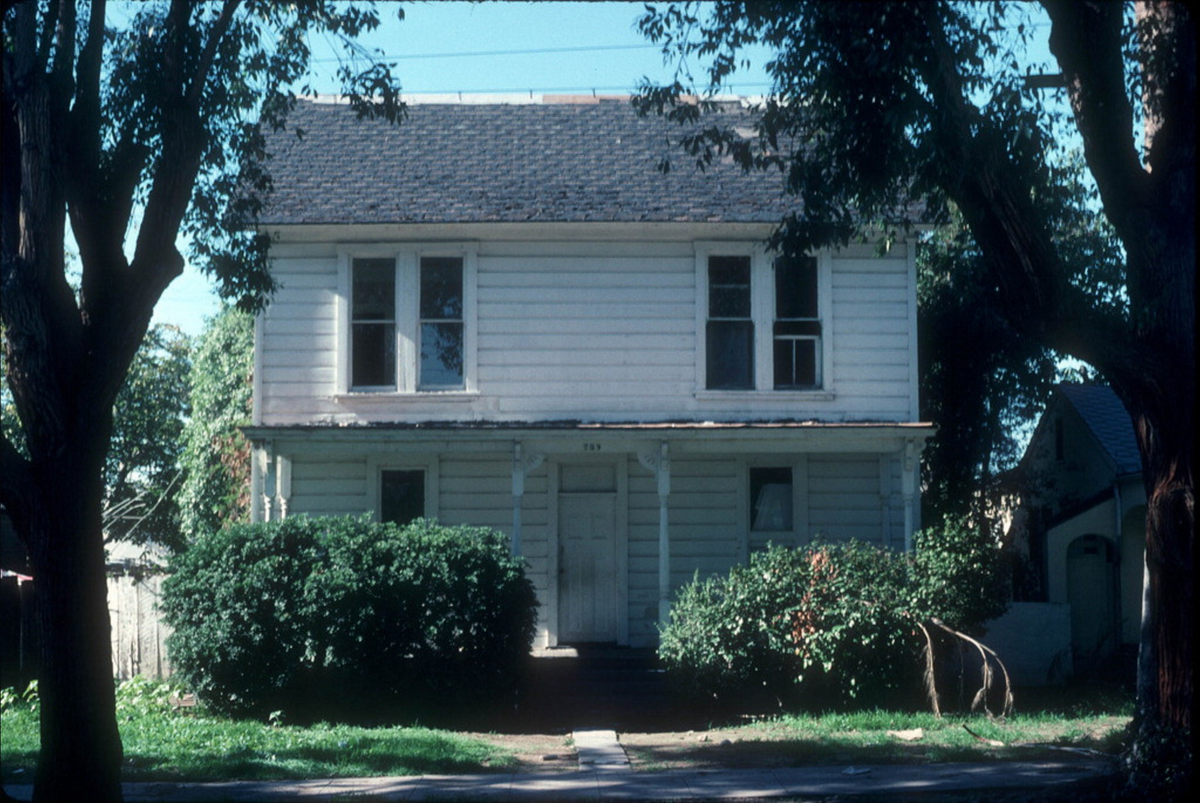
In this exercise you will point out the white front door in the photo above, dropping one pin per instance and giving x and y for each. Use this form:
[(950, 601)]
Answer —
[(587, 587)]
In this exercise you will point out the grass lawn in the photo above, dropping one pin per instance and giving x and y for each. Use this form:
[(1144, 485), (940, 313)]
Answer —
[(1089, 719), (162, 743), (187, 745)]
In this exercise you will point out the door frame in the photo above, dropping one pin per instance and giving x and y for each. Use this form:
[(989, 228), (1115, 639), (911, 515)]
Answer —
[(620, 464)]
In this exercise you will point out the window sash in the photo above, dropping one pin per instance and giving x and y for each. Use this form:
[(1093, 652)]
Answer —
[(797, 348), (729, 335), (440, 330), (401, 495), (771, 499), (373, 323), (730, 355)]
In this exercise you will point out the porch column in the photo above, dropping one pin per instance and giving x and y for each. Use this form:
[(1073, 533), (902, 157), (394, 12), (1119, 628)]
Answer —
[(885, 497), (908, 483), (522, 465), (257, 469), (660, 463), (267, 458), (283, 483)]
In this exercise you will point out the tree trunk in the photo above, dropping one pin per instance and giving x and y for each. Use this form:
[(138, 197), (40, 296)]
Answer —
[(1166, 441), (81, 750)]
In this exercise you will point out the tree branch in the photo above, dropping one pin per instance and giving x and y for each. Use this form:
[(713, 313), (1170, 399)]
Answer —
[(62, 71), (979, 176), (210, 51), (85, 125), (1085, 38)]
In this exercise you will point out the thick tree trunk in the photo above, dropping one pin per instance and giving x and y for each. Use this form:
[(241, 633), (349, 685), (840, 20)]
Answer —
[(1166, 436), (81, 750)]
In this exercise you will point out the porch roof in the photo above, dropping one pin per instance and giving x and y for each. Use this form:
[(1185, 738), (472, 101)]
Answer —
[(708, 436)]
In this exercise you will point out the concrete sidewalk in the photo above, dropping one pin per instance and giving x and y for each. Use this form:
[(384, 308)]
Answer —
[(606, 783)]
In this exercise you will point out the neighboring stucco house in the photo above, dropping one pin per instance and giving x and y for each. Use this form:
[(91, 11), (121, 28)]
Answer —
[(1081, 522), (503, 314)]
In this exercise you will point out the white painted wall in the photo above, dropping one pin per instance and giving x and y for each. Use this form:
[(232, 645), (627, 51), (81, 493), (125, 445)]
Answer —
[(708, 520), (600, 331)]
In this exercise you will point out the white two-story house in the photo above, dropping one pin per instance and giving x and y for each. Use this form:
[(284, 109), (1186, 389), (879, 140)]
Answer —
[(503, 314)]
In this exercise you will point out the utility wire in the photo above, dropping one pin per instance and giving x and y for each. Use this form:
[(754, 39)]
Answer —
[(477, 53)]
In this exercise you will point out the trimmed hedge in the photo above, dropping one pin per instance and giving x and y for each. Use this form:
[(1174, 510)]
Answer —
[(341, 618), (829, 624)]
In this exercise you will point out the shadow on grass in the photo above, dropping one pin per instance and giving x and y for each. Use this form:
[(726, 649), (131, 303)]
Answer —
[(360, 756), (803, 752)]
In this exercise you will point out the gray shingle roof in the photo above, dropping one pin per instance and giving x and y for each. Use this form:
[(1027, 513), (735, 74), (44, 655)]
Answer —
[(454, 163), (1108, 421)]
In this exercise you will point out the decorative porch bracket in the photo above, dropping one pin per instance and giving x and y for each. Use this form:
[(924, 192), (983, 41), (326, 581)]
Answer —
[(522, 465), (659, 463), (270, 483)]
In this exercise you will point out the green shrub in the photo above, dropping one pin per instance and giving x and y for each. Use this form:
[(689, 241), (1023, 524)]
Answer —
[(961, 575), (828, 623), (343, 618)]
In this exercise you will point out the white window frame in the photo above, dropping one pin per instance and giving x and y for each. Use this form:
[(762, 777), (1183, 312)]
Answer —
[(408, 262), (762, 311), (377, 464), (799, 534)]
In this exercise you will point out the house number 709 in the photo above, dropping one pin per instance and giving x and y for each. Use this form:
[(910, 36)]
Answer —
[(591, 447)]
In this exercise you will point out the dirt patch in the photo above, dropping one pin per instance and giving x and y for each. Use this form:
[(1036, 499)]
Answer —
[(535, 752)]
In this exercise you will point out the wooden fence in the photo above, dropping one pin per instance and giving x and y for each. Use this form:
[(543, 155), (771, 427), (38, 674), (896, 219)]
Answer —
[(138, 632)]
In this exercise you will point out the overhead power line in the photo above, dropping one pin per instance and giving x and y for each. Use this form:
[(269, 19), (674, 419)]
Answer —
[(478, 53)]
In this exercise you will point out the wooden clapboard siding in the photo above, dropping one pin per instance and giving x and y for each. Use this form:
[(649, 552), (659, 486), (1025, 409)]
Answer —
[(598, 331), (564, 335), (298, 340), (328, 485), (843, 497)]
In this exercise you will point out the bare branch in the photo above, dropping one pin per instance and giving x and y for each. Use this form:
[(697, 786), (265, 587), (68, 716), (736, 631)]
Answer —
[(986, 670), (929, 679)]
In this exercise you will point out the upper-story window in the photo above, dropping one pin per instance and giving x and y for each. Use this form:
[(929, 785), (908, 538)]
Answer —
[(373, 323), (441, 333), (797, 326), (409, 323), (730, 332), (763, 321)]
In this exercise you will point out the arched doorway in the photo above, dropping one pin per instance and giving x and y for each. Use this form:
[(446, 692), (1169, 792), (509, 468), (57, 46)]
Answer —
[(1091, 590)]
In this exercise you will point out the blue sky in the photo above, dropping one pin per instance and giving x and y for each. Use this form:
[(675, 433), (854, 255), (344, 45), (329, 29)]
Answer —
[(446, 47), (509, 47)]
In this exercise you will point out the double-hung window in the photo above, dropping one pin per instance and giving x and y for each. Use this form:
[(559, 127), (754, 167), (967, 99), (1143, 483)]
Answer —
[(797, 325), (441, 329), (763, 321), (730, 331), (409, 323), (373, 324)]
